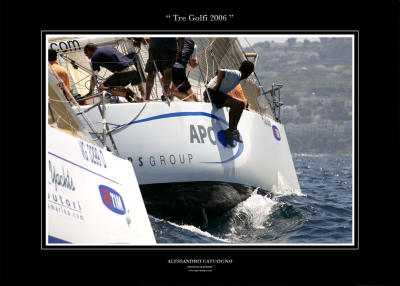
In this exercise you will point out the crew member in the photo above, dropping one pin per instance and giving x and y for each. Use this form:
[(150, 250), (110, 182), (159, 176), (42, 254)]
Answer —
[(123, 69), (163, 52), (61, 72), (219, 86), (181, 87), (237, 93)]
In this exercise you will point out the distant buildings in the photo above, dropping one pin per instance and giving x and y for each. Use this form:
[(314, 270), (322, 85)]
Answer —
[(289, 113), (323, 127)]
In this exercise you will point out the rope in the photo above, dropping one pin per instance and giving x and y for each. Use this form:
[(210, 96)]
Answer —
[(209, 46), (188, 96), (120, 126)]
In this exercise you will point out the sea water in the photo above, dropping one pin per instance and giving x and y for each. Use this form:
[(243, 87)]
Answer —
[(321, 214)]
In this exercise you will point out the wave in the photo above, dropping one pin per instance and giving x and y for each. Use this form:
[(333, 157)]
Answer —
[(199, 234), (255, 209), (261, 217)]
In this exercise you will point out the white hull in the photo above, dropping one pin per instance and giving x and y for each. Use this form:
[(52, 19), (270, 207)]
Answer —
[(92, 196), (183, 142)]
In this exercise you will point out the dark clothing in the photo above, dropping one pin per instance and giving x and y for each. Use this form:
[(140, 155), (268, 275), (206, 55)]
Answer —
[(163, 58), (168, 44), (137, 41), (135, 59), (122, 79), (180, 79), (187, 51), (163, 52), (110, 58), (218, 98)]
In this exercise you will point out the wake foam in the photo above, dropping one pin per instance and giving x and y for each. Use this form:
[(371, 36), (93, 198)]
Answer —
[(192, 229), (254, 211)]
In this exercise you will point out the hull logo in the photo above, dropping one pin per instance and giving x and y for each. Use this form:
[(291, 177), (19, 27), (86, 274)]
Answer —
[(112, 200), (277, 135)]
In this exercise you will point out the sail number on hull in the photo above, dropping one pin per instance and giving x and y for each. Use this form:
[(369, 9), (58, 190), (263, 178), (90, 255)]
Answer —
[(92, 154)]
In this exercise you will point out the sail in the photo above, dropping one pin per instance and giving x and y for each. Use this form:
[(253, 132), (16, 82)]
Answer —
[(60, 113)]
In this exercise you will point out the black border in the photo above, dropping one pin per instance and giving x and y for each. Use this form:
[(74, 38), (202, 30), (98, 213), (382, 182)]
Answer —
[(229, 247), (374, 263)]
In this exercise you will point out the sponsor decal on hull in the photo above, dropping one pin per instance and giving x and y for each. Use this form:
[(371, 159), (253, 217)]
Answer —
[(112, 200), (61, 190), (277, 135), (199, 134)]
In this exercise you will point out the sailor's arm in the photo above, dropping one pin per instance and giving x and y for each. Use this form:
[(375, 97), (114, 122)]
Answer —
[(181, 45), (145, 41), (93, 81), (193, 63), (220, 77)]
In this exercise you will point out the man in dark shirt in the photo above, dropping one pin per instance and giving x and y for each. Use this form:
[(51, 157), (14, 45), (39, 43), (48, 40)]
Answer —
[(133, 47), (163, 52), (180, 83), (123, 68)]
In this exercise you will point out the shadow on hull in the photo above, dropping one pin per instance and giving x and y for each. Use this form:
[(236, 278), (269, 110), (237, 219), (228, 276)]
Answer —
[(195, 203)]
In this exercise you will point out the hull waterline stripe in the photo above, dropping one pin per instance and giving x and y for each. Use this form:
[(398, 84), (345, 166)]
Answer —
[(53, 239), (178, 114)]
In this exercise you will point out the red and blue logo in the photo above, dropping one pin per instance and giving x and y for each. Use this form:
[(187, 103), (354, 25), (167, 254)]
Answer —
[(277, 135), (112, 200)]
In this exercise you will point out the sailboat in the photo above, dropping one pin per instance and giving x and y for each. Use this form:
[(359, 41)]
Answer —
[(186, 171), (92, 196)]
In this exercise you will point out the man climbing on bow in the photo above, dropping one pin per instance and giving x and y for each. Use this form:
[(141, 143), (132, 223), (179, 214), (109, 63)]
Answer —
[(225, 81), (123, 69)]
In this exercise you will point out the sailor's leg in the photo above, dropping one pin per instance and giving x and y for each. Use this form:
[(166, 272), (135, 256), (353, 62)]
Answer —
[(173, 92), (141, 89), (193, 95), (235, 111), (167, 79), (149, 84)]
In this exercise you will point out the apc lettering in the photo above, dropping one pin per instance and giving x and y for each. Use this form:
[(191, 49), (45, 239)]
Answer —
[(200, 133)]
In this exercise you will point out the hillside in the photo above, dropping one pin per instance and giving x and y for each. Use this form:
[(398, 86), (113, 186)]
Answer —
[(317, 92)]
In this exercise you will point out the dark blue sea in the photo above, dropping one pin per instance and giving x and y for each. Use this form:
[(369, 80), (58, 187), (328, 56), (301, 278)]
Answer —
[(322, 214)]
